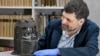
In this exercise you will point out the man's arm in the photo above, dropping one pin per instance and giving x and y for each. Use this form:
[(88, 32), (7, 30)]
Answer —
[(91, 48), (45, 41)]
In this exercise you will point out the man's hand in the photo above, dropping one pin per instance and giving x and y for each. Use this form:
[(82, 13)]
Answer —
[(48, 52)]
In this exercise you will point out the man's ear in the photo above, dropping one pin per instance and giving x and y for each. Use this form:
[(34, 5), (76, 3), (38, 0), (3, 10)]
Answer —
[(81, 21)]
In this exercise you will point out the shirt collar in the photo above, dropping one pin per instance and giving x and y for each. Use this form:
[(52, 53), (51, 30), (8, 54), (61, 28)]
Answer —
[(64, 33)]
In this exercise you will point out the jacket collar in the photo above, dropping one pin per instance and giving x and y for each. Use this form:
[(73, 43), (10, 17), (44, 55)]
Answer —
[(56, 37), (80, 37)]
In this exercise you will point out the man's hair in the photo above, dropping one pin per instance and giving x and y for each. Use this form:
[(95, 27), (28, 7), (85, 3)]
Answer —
[(79, 7)]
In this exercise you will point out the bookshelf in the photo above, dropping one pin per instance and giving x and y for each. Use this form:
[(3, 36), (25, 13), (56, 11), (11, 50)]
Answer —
[(47, 5), (46, 10), (10, 12)]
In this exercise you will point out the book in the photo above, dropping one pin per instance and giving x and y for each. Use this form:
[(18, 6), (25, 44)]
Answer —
[(2, 49), (39, 3)]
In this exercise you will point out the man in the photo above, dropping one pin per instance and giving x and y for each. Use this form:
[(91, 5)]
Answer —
[(73, 35)]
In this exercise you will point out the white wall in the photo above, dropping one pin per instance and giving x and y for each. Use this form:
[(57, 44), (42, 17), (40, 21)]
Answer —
[(94, 7)]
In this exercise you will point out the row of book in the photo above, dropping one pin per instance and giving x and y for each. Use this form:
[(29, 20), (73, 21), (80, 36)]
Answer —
[(7, 23), (15, 2), (57, 3), (2, 49), (11, 17), (42, 20)]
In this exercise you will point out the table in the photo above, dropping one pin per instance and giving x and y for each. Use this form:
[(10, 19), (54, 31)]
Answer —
[(7, 53)]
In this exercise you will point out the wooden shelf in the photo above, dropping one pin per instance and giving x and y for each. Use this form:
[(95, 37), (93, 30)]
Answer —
[(6, 38), (48, 7), (14, 7)]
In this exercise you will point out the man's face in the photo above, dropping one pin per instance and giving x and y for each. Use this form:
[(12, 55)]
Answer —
[(70, 22)]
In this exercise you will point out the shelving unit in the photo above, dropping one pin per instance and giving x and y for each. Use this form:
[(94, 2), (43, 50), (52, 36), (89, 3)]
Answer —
[(45, 10), (47, 5), (10, 12)]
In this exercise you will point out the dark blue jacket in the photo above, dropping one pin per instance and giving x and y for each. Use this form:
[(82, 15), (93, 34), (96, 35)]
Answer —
[(85, 43)]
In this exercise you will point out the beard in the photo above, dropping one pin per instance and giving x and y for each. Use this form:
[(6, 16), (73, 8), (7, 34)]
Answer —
[(68, 28)]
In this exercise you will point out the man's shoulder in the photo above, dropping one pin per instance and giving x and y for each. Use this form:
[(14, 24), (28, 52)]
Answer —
[(90, 25), (55, 23)]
